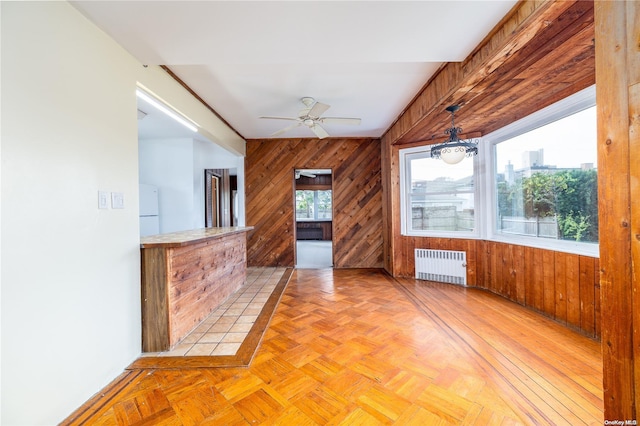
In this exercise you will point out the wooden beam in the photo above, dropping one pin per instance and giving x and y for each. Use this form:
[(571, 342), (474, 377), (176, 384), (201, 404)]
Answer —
[(618, 95)]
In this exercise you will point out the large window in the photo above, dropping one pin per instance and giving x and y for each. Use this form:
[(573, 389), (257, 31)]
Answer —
[(439, 197), (534, 182), (313, 205), (547, 183)]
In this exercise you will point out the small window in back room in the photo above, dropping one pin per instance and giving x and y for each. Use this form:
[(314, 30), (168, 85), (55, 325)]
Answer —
[(313, 205)]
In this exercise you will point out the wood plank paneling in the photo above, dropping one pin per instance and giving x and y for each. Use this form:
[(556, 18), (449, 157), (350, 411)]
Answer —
[(549, 282), (155, 309), (562, 286), (573, 290), (320, 182), (182, 285), (357, 198)]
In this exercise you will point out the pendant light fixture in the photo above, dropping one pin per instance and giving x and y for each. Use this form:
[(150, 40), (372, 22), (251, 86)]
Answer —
[(453, 150)]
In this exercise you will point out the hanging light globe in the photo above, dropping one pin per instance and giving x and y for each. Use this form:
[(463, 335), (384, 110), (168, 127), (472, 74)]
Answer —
[(453, 150), (452, 155)]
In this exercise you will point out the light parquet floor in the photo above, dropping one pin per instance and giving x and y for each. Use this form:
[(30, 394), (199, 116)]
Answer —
[(358, 347)]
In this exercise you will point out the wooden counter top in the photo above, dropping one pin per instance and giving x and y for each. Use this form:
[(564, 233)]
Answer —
[(194, 236)]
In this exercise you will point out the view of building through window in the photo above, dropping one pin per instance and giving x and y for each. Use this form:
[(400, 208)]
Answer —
[(441, 194), (543, 186), (313, 205), (546, 181)]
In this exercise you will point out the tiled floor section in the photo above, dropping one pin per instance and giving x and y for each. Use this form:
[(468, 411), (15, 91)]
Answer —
[(225, 329)]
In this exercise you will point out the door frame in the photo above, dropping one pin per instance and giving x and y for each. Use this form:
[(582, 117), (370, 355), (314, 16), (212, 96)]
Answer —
[(223, 197), (295, 225)]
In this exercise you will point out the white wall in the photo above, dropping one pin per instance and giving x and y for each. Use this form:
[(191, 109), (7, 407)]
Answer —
[(70, 276), (207, 155), (176, 167), (70, 307), (168, 164)]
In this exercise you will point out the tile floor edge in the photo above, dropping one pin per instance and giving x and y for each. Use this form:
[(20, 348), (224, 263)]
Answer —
[(245, 353)]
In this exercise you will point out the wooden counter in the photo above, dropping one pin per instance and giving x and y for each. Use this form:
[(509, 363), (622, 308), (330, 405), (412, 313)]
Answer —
[(185, 276)]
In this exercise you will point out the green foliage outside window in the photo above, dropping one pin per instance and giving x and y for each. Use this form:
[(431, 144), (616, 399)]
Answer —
[(313, 204), (570, 196)]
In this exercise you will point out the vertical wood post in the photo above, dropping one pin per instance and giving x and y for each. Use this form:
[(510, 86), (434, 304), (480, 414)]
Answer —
[(617, 29)]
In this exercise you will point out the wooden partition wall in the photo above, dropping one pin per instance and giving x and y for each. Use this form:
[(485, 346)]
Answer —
[(357, 198)]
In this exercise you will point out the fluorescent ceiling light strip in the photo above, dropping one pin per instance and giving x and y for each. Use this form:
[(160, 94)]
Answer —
[(167, 111)]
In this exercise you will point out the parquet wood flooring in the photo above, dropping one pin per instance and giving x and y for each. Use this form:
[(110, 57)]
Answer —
[(355, 346)]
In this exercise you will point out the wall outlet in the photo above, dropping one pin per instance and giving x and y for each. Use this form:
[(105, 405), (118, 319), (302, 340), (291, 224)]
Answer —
[(103, 200), (117, 200)]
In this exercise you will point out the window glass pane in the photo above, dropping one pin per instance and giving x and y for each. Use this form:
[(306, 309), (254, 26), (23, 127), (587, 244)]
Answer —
[(324, 204), (441, 195), (546, 181), (304, 204), (313, 205)]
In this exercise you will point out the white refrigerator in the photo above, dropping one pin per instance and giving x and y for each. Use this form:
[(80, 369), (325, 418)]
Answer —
[(149, 219)]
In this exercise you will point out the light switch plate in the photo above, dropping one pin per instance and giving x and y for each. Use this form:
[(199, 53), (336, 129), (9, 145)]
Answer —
[(103, 199), (117, 200)]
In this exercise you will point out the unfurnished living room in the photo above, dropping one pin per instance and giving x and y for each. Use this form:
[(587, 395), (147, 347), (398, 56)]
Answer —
[(319, 212)]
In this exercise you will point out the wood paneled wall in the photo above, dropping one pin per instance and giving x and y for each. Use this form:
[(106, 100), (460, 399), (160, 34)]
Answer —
[(357, 198), (318, 183), (562, 286), (559, 285)]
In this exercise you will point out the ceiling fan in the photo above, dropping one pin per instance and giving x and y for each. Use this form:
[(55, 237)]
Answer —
[(305, 174), (310, 116)]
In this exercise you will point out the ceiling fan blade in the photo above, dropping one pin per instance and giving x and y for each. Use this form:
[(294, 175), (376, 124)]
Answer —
[(340, 120), (286, 129), (279, 118), (317, 109), (319, 131)]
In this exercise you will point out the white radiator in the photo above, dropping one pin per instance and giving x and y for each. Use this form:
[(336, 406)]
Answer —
[(444, 266)]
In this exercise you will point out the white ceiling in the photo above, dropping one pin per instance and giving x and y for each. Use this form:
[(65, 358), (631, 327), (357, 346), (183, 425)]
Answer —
[(248, 59)]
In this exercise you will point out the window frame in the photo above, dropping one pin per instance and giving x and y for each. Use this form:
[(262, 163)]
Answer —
[(564, 108), (315, 207), (406, 155), (485, 196)]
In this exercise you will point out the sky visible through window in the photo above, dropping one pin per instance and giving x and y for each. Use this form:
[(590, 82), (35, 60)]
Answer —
[(567, 143)]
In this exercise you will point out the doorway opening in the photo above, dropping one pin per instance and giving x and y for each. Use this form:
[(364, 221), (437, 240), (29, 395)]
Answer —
[(220, 194), (313, 218)]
